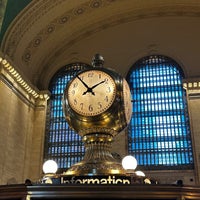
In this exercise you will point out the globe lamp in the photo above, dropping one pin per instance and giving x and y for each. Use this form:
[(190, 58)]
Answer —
[(50, 167), (140, 173), (129, 163)]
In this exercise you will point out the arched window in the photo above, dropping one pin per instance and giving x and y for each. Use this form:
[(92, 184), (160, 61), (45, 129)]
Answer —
[(159, 131), (62, 144)]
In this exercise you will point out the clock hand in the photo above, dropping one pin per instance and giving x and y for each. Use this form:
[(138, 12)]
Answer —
[(88, 88), (97, 84), (83, 82)]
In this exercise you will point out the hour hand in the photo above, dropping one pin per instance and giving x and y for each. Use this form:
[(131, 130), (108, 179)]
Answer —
[(89, 90)]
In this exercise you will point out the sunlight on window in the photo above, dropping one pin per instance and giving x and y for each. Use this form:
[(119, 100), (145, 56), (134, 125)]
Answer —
[(159, 132)]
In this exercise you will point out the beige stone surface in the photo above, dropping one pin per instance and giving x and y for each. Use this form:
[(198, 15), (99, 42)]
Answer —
[(21, 137), (14, 129), (194, 108)]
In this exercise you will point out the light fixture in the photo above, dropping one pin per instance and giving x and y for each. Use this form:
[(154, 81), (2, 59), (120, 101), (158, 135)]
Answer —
[(140, 173), (50, 167), (129, 163)]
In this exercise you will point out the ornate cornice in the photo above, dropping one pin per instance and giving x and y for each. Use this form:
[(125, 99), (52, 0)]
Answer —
[(35, 42), (193, 89), (59, 22), (89, 29), (15, 81), (37, 9), (24, 21)]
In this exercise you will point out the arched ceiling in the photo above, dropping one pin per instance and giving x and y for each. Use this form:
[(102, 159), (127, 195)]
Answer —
[(48, 34)]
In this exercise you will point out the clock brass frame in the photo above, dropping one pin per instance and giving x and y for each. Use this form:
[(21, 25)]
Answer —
[(98, 130), (113, 118)]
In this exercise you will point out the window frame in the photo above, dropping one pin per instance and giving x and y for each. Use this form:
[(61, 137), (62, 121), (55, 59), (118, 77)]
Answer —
[(139, 65)]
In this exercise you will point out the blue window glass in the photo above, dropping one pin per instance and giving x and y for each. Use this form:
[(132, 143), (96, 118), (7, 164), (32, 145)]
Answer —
[(159, 132), (62, 144)]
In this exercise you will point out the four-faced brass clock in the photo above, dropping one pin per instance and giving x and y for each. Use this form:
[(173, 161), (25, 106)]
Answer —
[(127, 101), (97, 100), (97, 104), (91, 92)]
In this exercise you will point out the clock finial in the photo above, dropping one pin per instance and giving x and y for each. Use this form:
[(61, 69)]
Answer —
[(97, 60)]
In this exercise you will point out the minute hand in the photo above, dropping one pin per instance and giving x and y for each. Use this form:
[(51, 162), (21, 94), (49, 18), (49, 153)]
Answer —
[(97, 84), (83, 82), (90, 89)]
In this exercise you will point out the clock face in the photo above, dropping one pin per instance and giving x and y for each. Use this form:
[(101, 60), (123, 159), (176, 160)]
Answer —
[(91, 92), (127, 101)]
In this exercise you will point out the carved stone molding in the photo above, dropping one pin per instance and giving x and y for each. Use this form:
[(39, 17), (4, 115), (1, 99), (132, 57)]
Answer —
[(44, 30), (37, 9)]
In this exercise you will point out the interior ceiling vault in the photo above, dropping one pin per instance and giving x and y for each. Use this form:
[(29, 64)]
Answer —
[(47, 35)]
